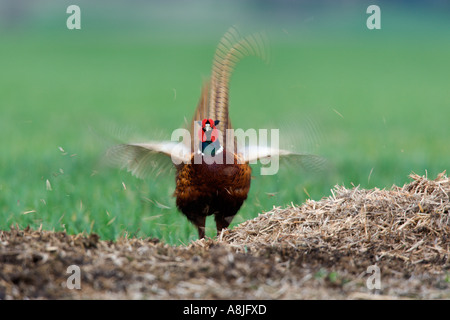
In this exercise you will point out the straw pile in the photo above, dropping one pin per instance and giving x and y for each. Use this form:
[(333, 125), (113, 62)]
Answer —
[(410, 223)]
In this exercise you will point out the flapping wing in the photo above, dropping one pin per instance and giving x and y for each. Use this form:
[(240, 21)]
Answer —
[(146, 159), (309, 162)]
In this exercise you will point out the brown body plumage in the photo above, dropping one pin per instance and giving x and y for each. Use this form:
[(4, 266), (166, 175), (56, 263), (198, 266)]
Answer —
[(212, 189)]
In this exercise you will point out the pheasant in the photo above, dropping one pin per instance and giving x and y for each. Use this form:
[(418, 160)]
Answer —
[(212, 172)]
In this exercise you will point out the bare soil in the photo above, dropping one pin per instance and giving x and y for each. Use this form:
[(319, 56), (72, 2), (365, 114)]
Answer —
[(320, 250)]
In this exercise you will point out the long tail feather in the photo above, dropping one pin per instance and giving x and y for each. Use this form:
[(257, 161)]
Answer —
[(231, 49), (200, 113)]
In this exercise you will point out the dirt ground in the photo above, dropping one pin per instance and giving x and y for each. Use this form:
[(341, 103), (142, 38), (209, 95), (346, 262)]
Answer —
[(330, 249), (34, 265)]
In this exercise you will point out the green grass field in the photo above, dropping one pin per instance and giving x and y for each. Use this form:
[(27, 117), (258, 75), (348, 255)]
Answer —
[(375, 104)]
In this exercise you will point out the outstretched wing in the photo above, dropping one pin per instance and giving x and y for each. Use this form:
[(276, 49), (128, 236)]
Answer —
[(147, 159), (308, 162)]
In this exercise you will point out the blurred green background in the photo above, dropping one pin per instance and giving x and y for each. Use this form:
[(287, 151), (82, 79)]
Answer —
[(374, 103)]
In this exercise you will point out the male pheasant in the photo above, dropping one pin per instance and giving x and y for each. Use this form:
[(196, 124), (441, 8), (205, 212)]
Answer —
[(212, 173)]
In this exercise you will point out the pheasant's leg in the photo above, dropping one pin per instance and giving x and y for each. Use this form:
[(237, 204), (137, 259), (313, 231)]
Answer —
[(222, 222), (201, 232), (200, 223)]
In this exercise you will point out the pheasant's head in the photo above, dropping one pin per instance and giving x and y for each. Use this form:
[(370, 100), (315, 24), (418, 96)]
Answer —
[(208, 124), (209, 138)]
